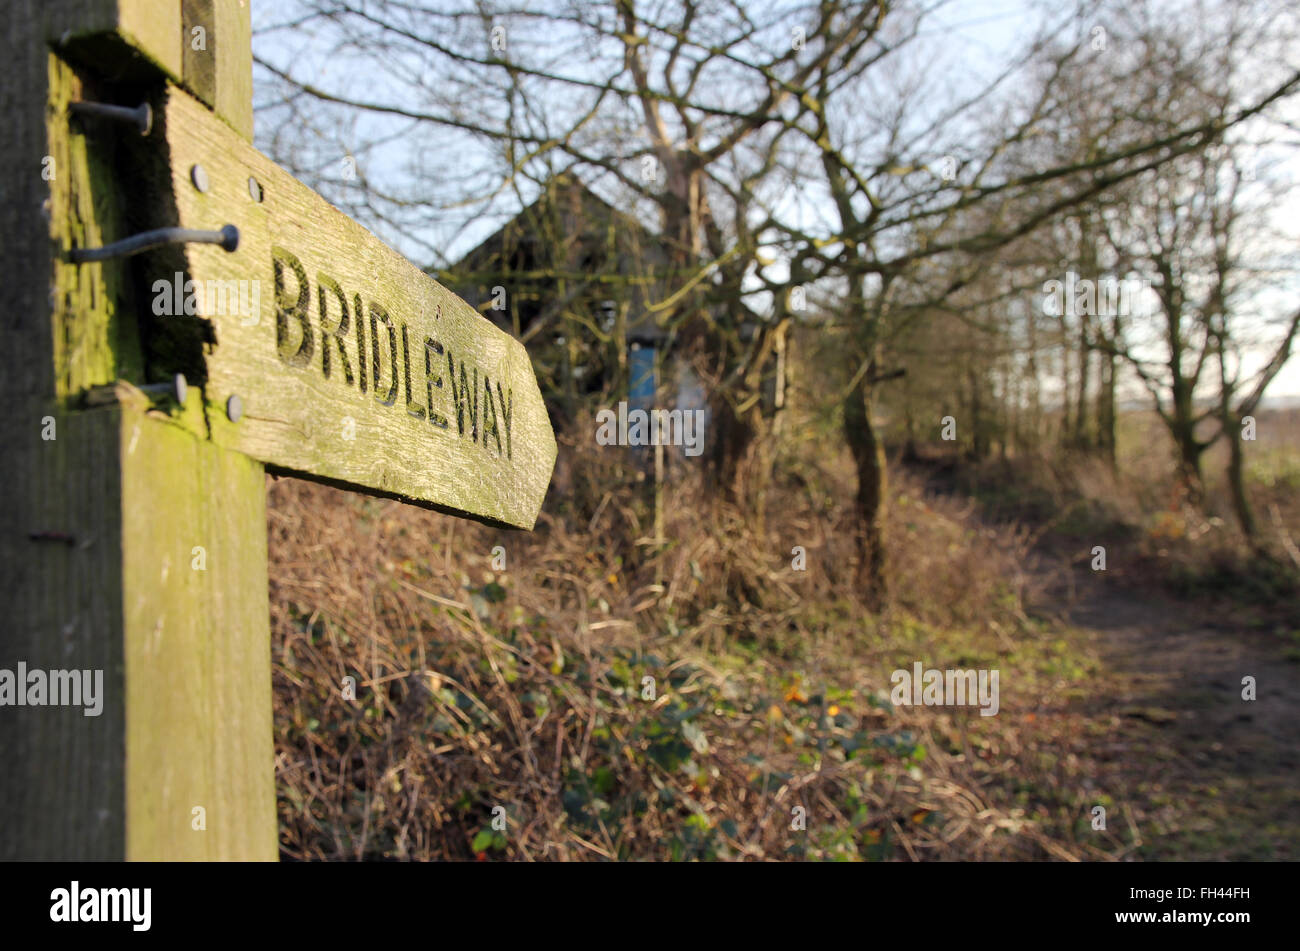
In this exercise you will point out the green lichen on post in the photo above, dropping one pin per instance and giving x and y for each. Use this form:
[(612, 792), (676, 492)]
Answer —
[(93, 331)]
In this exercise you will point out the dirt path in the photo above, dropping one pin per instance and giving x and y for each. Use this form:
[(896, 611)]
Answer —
[(1204, 773), (1193, 769)]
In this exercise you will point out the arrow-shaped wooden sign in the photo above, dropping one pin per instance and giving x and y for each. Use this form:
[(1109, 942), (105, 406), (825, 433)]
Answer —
[(335, 357)]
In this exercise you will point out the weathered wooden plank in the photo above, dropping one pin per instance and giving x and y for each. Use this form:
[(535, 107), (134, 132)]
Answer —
[(218, 58), (63, 783), (351, 364), (61, 598), (98, 517), (127, 39), (197, 648), (108, 579)]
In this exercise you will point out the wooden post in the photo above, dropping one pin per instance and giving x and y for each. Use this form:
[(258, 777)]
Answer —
[(131, 546), (133, 525)]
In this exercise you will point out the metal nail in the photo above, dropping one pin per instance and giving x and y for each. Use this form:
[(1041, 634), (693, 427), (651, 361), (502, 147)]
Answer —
[(199, 176), (235, 408), (227, 237), (176, 389), (141, 116), (51, 536)]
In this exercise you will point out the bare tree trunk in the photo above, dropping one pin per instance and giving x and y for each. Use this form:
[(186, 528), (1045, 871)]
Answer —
[(869, 504), (1106, 407), (1005, 414), (732, 438), (1190, 451), (1035, 408), (779, 397), (1015, 391), (739, 463), (1082, 428), (1237, 485), (1232, 427), (1182, 426), (1067, 386), (979, 425)]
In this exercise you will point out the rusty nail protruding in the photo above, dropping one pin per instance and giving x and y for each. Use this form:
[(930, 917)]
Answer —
[(227, 237), (141, 116), (254, 188), (235, 408), (176, 389), (199, 176)]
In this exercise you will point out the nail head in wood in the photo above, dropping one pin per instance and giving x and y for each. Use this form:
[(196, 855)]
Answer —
[(176, 389), (141, 116)]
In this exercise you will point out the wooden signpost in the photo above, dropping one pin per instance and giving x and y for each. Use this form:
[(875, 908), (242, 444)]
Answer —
[(133, 517)]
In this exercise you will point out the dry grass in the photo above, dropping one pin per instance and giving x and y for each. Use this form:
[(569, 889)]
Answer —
[(526, 688), (1138, 511)]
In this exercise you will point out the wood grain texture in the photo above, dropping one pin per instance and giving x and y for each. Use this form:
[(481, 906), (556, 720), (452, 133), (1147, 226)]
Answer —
[(89, 517), (63, 785), (198, 647), (219, 70), (122, 39), (456, 421), (151, 26)]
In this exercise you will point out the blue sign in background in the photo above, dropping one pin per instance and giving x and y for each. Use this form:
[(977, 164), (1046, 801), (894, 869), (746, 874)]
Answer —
[(641, 378)]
